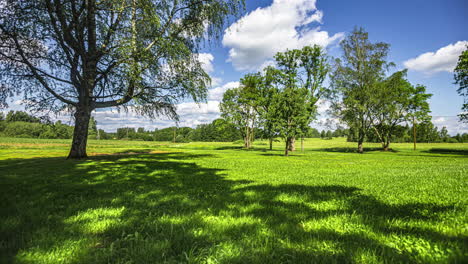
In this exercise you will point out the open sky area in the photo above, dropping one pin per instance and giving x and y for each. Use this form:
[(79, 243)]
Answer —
[(425, 36)]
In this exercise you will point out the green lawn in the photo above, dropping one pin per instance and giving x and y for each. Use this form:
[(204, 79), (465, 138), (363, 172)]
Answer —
[(152, 202)]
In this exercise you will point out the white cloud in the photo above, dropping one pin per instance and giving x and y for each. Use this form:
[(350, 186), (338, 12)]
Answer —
[(206, 60), (444, 59), (217, 93), (452, 124), (215, 81), (262, 33)]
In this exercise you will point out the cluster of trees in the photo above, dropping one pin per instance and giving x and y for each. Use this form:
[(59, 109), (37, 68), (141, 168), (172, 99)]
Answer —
[(366, 99), (282, 100), (21, 124), (217, 131), (427, 133)]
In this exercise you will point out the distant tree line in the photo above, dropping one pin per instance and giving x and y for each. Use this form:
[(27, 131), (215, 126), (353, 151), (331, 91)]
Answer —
[(23, 125), (427, 133)]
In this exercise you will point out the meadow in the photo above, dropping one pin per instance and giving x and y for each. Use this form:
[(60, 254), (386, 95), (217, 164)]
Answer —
[(159, 202)]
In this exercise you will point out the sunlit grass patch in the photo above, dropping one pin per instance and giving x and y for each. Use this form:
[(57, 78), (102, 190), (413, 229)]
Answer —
[(95, 221)]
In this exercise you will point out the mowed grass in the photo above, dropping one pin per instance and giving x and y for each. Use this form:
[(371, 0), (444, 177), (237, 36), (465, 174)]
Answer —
[(152, 202)]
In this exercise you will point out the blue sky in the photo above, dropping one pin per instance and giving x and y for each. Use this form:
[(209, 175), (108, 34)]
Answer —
[(425, 36), (412, 28)]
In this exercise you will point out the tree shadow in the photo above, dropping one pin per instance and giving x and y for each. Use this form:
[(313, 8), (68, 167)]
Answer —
[(291, 154), (230, 148), (351, 150), (164, 207), (448, 151)]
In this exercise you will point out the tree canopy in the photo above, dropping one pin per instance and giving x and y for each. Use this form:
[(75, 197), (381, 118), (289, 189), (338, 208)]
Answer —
[(461, 78), (356, 79)]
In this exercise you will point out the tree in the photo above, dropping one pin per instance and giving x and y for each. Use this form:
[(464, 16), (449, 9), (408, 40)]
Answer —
[(461, 78), (266, 95), (355, 80), (237, 109), (2, 116), (397, 101), (291, 114), (305, 69), (89, 54), (444, 134)]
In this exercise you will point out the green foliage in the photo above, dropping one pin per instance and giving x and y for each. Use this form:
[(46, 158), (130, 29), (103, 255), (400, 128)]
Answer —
[(396, 101), (23, 129), (20, 116), (299, 77), (292, 114), (215, 203), (238, 108), (356, 79), (461, 78), (92, 125), (219, 130), (144, 51)]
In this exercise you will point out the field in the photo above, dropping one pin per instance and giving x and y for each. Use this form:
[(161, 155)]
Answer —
[(153, 202)]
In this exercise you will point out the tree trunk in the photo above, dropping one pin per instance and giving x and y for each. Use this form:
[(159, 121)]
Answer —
[(271, 143), (286, 149), (80, 135), (292, 144), (386, 145), (247, 138), (414, 133), (252, 134), (302, 144), (360, 148)]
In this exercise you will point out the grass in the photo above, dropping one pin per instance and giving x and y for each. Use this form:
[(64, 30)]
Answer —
[(154, 202)]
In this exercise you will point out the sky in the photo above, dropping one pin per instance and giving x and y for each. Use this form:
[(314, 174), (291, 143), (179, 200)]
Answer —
[(425, 36)]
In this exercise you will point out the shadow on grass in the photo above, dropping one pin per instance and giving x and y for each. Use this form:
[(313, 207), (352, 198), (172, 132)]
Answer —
[(229, 148), (165, 208), (351, 150), (241, 148), (448, 151)]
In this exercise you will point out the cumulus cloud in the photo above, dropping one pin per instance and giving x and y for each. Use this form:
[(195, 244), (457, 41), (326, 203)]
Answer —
[(206, 61), (444, 59), (217, 93), (286, 24)]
